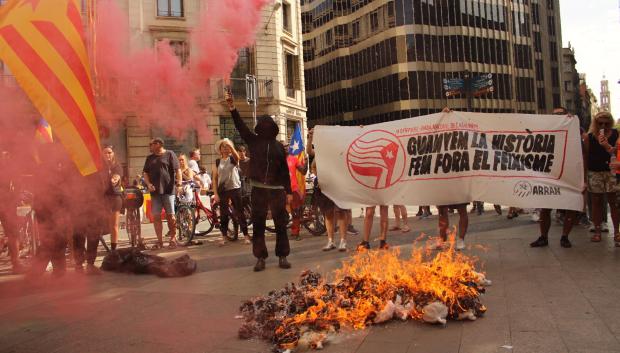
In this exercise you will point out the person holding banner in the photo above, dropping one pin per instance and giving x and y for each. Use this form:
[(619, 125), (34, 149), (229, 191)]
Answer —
[(444, 224), (545, 213), (383, 222), (400, 213), (599, 148)]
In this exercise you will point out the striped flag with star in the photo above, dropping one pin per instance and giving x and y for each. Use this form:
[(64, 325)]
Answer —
[(42, 43), (297, 148)]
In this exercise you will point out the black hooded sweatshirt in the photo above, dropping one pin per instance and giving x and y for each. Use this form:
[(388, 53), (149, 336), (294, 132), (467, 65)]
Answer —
[(268, 159)]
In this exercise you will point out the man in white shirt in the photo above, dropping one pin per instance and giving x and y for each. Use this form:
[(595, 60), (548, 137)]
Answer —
[(194, 156)]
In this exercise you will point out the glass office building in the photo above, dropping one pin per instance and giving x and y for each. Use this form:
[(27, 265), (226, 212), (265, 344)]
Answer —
[(369, 61)]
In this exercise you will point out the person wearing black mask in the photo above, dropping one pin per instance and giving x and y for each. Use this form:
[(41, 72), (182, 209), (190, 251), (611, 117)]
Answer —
[(270, 181)]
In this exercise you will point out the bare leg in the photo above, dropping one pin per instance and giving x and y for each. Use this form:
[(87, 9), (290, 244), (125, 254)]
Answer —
[(114, 221), (157, 224), (397, 216), (597, 216), (444, 222), (368, 219), (545, 222), (383, 213), (329, 224), (463, 221), (613, 208), (342, 222)]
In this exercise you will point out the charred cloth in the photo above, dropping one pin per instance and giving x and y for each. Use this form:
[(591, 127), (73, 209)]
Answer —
[(132, 260), (371, 288)]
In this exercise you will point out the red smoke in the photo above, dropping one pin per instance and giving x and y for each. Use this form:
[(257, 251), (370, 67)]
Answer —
[(151, 83)]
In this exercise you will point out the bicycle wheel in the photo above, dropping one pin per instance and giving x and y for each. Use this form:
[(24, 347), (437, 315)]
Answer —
[(186, 225), (133, 225), (205, 222), (314, 221)]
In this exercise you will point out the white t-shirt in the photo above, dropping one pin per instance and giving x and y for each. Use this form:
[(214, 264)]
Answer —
[(193, 165)]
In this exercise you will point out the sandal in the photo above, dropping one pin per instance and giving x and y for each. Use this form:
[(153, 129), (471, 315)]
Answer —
[(596, 238), (173, 244), (405, 229), (157, 246), (394, 228)]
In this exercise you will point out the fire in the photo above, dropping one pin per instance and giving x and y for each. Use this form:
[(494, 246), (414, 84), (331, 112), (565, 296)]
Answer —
[(371, 287)]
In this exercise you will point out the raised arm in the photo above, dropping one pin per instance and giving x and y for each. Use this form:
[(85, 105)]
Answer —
[(244, 131)]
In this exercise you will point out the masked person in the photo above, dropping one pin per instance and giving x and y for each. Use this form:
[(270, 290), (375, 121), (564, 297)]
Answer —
[(271, 184)]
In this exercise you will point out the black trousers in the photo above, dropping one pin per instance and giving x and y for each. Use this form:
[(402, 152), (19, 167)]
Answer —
[(85, 245), (233, 195), (276, 201), (53, 246)]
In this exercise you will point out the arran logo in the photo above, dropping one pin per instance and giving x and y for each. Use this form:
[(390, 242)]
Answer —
[(376, 159)]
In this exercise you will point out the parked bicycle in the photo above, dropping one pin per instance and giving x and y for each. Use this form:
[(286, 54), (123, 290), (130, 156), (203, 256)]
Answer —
[(28, 231), (133, 201), (194, 218), (311, 217)]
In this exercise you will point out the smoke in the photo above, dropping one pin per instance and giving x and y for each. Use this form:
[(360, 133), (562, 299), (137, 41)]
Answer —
[(148, 82), (151, 82)]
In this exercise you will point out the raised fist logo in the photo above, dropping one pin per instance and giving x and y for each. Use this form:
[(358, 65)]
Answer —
[(376, 159), (522, 189)]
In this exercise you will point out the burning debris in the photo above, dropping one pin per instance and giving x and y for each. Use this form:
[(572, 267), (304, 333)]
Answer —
[(371, 288)]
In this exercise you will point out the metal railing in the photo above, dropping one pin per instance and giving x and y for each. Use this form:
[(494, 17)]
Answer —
[(238, 88)]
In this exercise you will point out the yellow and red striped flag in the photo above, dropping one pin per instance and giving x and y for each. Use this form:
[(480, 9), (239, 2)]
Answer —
[(42, 43)]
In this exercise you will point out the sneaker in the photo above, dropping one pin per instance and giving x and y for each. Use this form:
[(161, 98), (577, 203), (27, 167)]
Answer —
[(535, 217), (351, 230), (565, 243), (363, 246), (283, 263), (405, 229), (342, 246), (394, 228), (540, 242), (604, 228), (383, 245), (460, 244), (247, 240), (260, 265), (330, 246)]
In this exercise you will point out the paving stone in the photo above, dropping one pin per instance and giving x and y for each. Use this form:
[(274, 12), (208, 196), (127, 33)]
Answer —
[(537, 342)]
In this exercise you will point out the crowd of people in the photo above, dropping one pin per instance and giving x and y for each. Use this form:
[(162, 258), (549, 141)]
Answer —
[(271, 177)]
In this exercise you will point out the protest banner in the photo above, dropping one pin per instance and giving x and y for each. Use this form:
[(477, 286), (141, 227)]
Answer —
[(521, 160)]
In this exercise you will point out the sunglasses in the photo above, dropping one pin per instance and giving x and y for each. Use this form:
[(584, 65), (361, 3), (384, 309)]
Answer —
[(603, 123)]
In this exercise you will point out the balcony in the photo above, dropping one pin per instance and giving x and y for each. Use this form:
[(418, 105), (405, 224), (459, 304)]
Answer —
[(237, 86)]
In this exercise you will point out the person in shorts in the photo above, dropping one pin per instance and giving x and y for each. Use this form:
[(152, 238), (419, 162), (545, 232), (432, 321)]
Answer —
[(162, 175), (599, 147)]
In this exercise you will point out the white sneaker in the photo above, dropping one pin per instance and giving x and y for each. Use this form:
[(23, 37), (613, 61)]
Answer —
[(342, 246), (460, 244), (439, 245), (330, 246)]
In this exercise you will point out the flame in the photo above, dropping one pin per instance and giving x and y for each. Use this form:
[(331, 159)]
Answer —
[(369, 280)]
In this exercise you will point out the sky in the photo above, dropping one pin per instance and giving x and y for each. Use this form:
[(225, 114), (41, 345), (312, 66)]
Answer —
[(593, 29)]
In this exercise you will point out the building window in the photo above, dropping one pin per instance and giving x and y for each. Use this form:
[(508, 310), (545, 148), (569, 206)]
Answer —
[(292, 76), (542, 104), (556, 100), (540, 73), (286, 17), (329, 38), (537, 42), (374, 21), (555, 79), (170, 8), (181, 50), (535, 14), (553, 50), (551, 23), (227, 129), (355, 29), (290, 128)]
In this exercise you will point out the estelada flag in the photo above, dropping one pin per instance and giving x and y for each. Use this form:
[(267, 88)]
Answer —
[(42, 43), (297, 148), (43, 133)]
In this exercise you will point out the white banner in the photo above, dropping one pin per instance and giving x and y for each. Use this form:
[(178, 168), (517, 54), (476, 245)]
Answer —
[(520, 160)]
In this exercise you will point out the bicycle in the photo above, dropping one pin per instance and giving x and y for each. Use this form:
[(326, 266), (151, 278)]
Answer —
[(192, 212), (132, 202), (311, 216)]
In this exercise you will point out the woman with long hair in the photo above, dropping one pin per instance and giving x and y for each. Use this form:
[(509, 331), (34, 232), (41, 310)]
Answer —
[(113, 173), (599, 147), (227, 186)]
